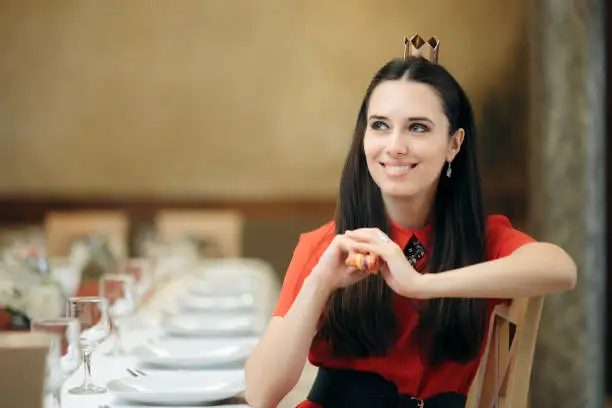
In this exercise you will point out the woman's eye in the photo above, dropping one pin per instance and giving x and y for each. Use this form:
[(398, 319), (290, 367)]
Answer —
[(378, 125), (418, 128)]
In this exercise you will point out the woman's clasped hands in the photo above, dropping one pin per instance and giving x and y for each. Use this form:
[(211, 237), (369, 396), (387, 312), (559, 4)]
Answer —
[(398, 273)]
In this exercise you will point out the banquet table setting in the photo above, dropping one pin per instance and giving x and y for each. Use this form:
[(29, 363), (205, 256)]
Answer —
[(186, 343), (173, 328)]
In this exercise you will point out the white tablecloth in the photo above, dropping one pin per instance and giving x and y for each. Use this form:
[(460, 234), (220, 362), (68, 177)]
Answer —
[(146, 326), (105, 367)]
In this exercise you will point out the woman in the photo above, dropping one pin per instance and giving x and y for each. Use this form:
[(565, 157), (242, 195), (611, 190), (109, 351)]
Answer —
[(409, 193)]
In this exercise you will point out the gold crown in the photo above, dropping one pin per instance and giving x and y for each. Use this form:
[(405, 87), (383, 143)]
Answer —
[(415, 47)]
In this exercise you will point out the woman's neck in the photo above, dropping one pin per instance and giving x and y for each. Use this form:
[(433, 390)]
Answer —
[(411, 213)]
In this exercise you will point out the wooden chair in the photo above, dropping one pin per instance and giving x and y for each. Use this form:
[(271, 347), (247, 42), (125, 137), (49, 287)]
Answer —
[(62, 228), (502, 380), (22, 372), (221, 228)]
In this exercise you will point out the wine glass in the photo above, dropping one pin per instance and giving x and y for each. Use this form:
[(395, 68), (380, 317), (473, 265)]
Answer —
[(139, 269), (118, 289), (92, 314), (64, 355)]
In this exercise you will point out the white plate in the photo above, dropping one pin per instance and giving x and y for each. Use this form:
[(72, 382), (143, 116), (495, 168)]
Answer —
[(179, 389), (192, 353), (220, 303), (211, 325), (222, 287)]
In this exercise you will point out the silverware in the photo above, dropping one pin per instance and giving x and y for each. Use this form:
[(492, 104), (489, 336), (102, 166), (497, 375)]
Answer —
[(136, 373)]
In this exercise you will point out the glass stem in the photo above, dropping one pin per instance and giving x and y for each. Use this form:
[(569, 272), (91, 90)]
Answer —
[(87, 364), (57, 398), (118, 346)]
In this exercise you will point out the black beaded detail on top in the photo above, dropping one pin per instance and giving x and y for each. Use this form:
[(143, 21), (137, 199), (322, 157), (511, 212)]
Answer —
[(414, 250)]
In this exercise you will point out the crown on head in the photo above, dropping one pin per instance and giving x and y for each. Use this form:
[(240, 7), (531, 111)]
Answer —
[(415, 47)]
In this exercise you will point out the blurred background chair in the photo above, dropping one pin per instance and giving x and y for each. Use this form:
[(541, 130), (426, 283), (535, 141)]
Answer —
[(63, 228), (218, 232), (23, 358)]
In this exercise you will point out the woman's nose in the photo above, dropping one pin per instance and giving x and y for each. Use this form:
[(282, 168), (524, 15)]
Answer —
[(397, 145)]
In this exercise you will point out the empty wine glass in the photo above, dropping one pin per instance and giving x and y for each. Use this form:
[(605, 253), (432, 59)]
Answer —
[(118, 289), (139, 269), (64, 355), (92, 314)]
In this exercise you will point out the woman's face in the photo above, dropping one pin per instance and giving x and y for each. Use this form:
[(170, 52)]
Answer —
[(407, 142)]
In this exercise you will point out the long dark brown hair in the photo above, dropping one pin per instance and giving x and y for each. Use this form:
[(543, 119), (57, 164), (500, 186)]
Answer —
[(360, 321)]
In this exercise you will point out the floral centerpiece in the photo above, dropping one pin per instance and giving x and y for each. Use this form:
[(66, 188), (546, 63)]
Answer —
[(102, 259), (27, 290)]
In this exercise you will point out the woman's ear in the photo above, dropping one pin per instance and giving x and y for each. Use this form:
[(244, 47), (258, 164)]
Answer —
[(454, 144)]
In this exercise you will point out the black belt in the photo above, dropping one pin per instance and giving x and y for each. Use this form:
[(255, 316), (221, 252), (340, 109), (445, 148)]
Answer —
[(335, 388)]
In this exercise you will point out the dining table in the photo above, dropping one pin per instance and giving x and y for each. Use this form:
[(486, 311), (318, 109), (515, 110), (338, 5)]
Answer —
[(187, 342)]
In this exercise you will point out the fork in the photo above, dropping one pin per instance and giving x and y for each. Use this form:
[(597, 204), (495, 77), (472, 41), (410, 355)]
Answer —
[(135, 373)]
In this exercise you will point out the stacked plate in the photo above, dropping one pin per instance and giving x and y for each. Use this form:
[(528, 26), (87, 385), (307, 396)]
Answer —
[(205, 342), (212, 316), (174, 389), (187, 354)]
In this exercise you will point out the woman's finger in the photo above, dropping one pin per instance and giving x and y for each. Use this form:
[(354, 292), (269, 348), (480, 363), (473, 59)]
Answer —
[(361, 235), (384, 271), (364, 247), (352, 270), (369, 235), (388, 277), (347, 245)]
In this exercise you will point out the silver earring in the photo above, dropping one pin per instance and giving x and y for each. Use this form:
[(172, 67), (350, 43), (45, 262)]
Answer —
[(449, 170)]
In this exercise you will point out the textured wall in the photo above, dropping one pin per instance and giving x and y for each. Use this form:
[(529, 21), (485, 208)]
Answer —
[(218, 98), (568, 166)]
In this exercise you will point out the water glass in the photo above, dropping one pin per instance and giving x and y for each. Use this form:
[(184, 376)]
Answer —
[(92, 314), (64, 354)]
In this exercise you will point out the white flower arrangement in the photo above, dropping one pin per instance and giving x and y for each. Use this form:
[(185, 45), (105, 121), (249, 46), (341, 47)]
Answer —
[(28, 292)]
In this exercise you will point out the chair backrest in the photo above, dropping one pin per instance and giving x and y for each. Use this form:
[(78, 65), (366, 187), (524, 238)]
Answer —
[(504, 374), (62, 228), (22, 371), (221, 228)]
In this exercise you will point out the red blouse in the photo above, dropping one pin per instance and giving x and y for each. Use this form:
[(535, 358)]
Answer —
[(402, 365)]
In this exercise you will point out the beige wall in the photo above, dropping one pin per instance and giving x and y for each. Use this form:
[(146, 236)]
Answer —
[(212, 98)]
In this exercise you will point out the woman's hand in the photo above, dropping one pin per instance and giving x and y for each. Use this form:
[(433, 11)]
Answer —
[(394, 267), (332, 270)]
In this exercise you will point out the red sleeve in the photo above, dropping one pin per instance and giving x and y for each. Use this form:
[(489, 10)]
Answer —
[(502, 240), (294, 277)]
